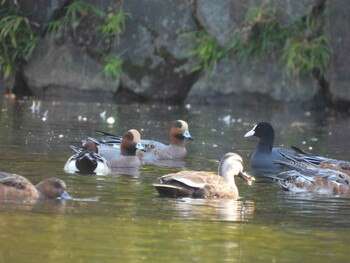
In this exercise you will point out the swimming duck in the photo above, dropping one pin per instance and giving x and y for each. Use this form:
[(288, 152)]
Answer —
[(123, 155), (17, 187), (202, 184), (154, 150), (86, 160), (264, 155), (300, 156), (176, 149), (308, 178)]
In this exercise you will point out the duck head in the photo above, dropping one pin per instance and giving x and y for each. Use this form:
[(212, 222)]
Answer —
[(179, 132), (231, 164), (130, 143), (52, 188)]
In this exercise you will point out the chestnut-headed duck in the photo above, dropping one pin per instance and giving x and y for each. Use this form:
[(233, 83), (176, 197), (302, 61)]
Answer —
[(311, 179), (264, 156), (154, 150), (123, 155), (86, 160), (17, 187), (203, 184), (176, 149)]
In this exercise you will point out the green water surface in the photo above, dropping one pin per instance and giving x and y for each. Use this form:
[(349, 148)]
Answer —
[(117, 218)]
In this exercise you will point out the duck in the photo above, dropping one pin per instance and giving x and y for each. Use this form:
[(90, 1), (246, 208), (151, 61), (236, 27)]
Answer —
[(308, 178), (300, 156), (17, 187), (204, 184), (264, 156), (123, 155), (155, 150), (175, 150), (86, 160)]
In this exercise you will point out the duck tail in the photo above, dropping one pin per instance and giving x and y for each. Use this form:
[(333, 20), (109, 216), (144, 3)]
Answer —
[(75, 148)]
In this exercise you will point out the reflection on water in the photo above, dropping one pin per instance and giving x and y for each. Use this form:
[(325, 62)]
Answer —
[(133, 172), (214, 209), (119, 216)]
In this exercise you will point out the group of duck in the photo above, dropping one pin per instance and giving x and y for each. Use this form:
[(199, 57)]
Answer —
[(292, 168)]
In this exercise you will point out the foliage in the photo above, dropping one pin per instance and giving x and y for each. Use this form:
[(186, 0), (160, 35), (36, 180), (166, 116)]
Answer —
[(114, 25), (73, 13), (300, 46), (306, 56), (305, 51), (113, 67), (17, 42), (206, 52), (261, 35)]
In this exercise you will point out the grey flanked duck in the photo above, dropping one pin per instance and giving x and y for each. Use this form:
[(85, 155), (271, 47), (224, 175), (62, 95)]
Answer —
[(176, 150), (123, 155), (309, 178), (155, 150)]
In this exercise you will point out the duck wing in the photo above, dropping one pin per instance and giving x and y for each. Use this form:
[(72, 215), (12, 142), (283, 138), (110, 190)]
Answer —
[(195, 179), (16, 182)]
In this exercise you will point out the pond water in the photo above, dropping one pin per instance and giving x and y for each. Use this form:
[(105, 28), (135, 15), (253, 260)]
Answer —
[(118, 218)]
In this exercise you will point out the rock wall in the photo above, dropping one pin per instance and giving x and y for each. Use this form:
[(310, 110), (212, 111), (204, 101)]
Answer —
[(155, 49), (338, 71)]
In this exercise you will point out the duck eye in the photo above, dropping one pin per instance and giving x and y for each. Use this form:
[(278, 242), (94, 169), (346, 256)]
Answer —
[(178, 124), (129, 136), (57, 184)]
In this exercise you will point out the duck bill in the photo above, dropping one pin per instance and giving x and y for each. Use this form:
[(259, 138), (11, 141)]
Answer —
[(140, 147), (187, 135), (248, 178), (64, 196)]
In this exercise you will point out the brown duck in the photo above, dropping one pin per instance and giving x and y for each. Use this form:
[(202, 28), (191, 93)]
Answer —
[(17, 187), (202, 184)]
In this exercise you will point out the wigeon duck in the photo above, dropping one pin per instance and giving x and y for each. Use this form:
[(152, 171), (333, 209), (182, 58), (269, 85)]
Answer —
[(155, 150), (17, 187), (202, 184), (264, 155), (123, 155), (176, 149), (309, 178), (86, 160)]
